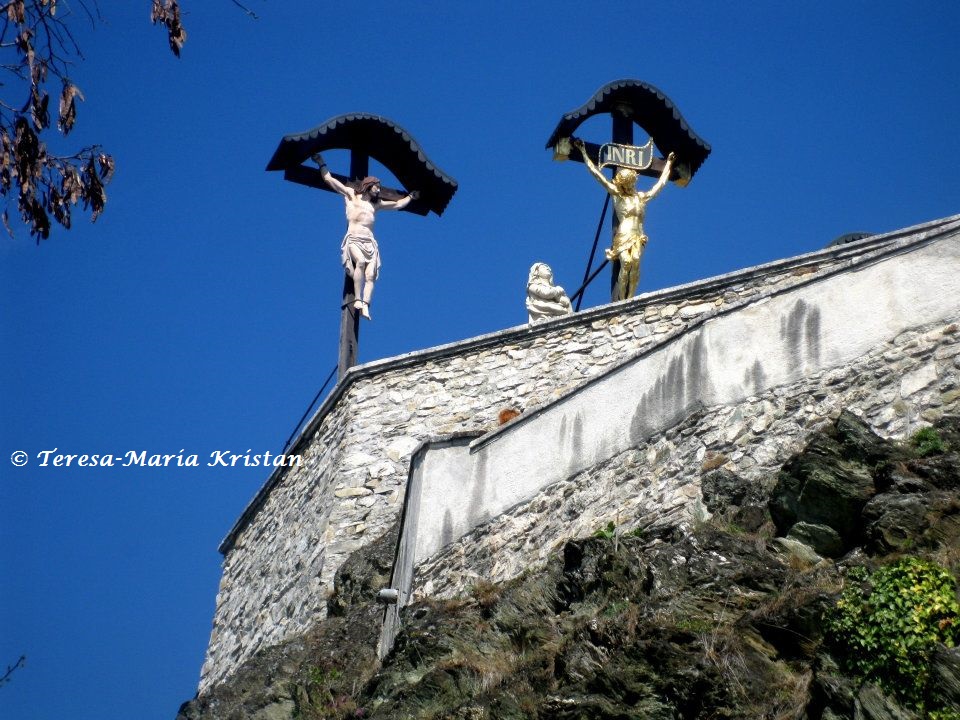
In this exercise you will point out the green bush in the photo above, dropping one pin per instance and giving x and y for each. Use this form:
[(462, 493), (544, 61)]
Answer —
[(606, 532), (885, 629), (948, 714), (927, 442)]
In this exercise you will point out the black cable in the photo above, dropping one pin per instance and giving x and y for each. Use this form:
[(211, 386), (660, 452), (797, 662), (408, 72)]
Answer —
[(309, 408), (587, 278), (579, 293)]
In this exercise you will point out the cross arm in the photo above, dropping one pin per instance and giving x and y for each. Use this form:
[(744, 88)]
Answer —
[(311, 177)]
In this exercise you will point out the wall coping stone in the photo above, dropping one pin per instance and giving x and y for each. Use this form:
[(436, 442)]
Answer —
[(696, 288)]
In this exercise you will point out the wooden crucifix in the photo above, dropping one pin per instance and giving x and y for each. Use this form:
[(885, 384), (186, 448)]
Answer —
[(630, 102), (365, 136)]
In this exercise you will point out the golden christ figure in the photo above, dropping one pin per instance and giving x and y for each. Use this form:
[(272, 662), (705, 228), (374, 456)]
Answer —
[(630, 206)]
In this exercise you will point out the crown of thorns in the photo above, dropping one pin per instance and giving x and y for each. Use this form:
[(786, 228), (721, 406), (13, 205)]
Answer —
[(368, 182)]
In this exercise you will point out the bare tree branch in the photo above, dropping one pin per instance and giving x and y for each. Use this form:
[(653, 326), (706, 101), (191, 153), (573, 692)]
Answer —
[(37, 47), (5, 678), (247, 10)]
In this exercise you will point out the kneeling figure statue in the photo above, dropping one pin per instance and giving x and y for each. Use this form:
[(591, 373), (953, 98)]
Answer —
[(544, 299)]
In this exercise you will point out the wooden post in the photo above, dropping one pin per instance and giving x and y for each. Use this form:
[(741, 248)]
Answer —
[(349, 315), (623, 134), (349, 329)]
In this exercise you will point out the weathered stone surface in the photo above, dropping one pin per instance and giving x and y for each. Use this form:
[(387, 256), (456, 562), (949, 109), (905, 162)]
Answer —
[(801, 551), (822, 488), (281, 710), (351, 492), (917, 380), (689, 311), (722, 489), (948, 428), (945, 676), (859, 443), (832, 692), (894, 521), (873, 704), (308, 676), (750, 518), (364, 574), (632, 628), (940, 471), (823, 539)]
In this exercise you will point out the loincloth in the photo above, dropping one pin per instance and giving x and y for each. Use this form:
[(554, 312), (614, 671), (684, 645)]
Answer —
[(367, 249), (633, 245)]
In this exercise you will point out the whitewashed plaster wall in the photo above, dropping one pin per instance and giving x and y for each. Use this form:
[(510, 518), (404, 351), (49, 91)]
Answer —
[(283, 553)]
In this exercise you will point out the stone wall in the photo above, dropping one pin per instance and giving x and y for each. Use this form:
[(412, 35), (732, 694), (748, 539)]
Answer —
[(897, 388), (787, 336), (281, 556)]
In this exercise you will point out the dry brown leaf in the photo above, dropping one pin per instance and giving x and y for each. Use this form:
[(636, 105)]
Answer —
[(68, 106), (16, 12), (168, 13)]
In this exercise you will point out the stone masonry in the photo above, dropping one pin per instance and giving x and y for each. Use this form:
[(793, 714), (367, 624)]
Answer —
[(897, 388), (283, 553)]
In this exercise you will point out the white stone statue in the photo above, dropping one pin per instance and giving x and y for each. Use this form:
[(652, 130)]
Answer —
[(359, 251), (544, 299)]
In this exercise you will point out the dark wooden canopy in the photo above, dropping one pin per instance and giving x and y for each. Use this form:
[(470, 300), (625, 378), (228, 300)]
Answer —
[(649, 108), (377, 137), (849, 238)]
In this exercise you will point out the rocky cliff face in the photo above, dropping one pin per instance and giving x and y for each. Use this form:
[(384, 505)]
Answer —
[(831, 596)]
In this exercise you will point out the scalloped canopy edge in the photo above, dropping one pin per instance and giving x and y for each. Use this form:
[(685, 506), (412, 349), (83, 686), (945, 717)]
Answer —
[(379, 138), (649, 108)]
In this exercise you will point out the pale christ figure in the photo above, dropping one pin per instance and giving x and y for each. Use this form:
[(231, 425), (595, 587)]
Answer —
[(630, 206), (359, 251)]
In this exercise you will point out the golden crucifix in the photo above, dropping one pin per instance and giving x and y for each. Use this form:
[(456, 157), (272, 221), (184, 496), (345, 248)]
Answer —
[(630, 206)]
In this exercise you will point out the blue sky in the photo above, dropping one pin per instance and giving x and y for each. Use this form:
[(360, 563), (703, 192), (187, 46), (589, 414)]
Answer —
[(200, 312)]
